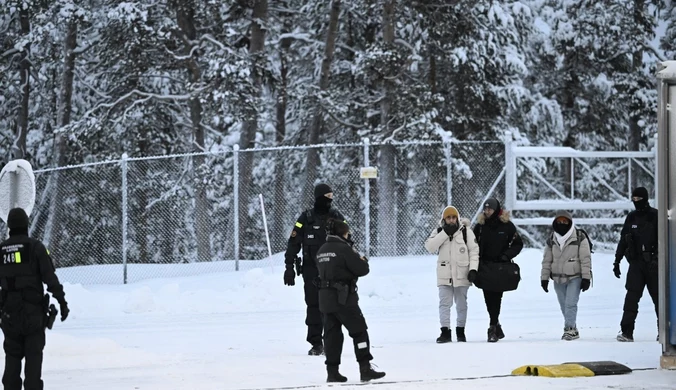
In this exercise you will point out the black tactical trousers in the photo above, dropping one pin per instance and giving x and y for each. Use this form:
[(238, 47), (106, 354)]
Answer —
[(351, 317), (493, 302), (639, 275), (18, 347), (313, 317)]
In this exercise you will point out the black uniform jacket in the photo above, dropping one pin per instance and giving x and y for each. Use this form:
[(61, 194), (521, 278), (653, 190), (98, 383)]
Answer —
[(338, 263)]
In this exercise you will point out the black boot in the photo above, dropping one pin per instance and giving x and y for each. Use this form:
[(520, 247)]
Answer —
[(334, 375), (368, 373), (316, 350), (460, 332), (446, 336), (492, 334), (499, 332)]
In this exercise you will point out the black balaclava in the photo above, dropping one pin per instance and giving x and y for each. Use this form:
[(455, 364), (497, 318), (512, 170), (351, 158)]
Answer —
[(17, 222), (643, 193), (322, 203), (493, 203), (562, 228)]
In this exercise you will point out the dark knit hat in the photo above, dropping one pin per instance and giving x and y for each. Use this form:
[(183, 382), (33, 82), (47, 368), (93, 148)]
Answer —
[(640, 191), (321, 190), (17, 219), (492, 203)]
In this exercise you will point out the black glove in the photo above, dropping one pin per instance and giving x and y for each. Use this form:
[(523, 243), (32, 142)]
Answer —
[(585, 284), (616, 269), (289, 277), (545, 285), (64, 310), (471, 276)]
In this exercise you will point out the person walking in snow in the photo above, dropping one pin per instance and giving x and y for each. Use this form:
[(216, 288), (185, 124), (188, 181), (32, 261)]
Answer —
[(567, 261), (499, 242), (457, 266), (638, 243)]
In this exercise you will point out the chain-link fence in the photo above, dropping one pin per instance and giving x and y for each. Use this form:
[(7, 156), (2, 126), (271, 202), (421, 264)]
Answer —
[(180, 215)]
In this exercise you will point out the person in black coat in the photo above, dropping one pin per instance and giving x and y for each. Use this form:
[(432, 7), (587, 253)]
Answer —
[(498, 242), (309, 233), (25, 266), (638, 243), (339, 268)]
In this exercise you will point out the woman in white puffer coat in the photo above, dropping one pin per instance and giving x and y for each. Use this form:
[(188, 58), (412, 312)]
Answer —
[(456, 269)]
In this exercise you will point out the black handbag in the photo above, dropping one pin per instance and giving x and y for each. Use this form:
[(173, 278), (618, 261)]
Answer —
[(498, 277)]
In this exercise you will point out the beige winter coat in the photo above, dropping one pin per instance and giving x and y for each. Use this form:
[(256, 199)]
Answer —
[(564, 263), (456, 258)]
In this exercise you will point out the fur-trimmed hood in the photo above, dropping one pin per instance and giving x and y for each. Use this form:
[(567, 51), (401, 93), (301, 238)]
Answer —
[(504, 217)]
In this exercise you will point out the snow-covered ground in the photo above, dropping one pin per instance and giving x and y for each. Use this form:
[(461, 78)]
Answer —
[(245, 330)]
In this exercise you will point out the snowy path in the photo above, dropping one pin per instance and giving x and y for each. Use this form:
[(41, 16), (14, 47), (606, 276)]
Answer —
[(245, 332)]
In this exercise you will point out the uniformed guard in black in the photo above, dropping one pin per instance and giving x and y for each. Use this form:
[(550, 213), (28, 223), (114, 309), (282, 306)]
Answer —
[(25, 266), (339, 267), (309, 232), (638, 243)]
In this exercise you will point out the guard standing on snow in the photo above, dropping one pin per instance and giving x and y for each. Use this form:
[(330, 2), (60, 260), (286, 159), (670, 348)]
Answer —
[(309, 232), (25, 266), (339, 267), (638, 243)]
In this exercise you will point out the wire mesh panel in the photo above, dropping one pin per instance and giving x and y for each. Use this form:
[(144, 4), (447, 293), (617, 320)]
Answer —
[(78, 216), (412, 189), (477, 168), (280, 176), (407, 197), (179, 212), (198, 213)]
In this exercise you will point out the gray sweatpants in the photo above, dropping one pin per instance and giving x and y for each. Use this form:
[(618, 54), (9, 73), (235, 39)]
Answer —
[(447, 294)]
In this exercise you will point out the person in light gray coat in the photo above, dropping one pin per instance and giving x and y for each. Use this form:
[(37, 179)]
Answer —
[(567, 261), (457, 266)]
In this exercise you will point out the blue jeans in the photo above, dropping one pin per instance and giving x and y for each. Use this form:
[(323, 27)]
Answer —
[(569, 294)]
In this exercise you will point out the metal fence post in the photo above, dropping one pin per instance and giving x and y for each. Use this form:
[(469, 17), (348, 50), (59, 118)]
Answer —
[(449, 172), (124, 217), (657, 171), (665, 191), (235, 202), (367, 203), (510, 172)]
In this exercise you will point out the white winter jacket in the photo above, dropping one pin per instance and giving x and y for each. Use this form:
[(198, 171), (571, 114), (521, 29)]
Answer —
[(456, 258)]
